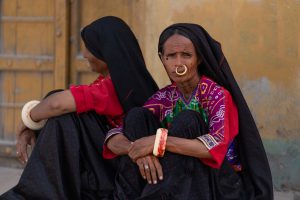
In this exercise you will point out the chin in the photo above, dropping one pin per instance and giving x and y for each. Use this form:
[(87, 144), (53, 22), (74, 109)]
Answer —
[(177, 80)]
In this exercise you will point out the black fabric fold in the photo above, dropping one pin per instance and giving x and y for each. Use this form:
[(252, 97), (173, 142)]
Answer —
[(185, 177), (67, 162)]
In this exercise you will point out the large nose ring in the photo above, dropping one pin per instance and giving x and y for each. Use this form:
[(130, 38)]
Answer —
[(181, 73)]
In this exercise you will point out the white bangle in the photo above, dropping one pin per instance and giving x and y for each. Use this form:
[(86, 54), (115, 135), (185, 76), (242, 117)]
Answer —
[(160, 142), (29, 123)]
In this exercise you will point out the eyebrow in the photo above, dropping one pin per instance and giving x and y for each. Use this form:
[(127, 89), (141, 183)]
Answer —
[(175, 52)]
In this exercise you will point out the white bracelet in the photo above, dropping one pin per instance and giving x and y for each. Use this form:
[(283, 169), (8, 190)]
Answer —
[(160, 142), (29, 123)]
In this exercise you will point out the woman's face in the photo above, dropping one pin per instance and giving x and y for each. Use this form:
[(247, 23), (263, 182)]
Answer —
[(178, 51), (95, 64)]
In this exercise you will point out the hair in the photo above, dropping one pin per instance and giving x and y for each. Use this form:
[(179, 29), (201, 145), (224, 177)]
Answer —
[(166, 35)]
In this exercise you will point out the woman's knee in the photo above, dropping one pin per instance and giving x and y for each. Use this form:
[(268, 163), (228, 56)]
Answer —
[(140, 122), (53, 91), (188, 124), (138, 115), (187, 117), (136, 112)]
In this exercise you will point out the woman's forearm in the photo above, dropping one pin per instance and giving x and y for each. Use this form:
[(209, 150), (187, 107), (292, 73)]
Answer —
[(56, 104), (188, 147), (119, 144)]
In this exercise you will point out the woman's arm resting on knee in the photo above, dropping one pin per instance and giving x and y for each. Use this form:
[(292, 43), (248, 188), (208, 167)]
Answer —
[(188, 147), (119, 144), (141, 147), (54, 105)]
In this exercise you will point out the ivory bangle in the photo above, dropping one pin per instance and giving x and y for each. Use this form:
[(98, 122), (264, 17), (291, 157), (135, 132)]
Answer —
[(160, 142), (25, 115)]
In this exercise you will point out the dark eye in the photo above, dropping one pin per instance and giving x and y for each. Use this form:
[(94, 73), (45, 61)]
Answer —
[(171, 55), (186, 55)]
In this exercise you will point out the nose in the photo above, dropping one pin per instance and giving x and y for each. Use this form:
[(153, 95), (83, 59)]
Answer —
[(85, 53), (178, 61)]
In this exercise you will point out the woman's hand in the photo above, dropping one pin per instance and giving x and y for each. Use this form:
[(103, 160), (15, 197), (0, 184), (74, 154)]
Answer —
[(150, 168), (25, 137), (141, 147)]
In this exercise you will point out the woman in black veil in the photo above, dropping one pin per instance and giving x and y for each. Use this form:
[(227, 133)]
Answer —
[(66, 162), (202, 121)]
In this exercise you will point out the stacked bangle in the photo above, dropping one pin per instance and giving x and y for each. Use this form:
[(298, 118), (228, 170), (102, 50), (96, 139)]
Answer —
[(160, 142), (29, 123)]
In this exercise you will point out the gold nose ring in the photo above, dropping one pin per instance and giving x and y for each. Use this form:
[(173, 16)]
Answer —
[(181, 73)]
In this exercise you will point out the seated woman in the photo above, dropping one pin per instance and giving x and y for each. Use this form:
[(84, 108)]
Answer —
[(67, 162), (213, 148)]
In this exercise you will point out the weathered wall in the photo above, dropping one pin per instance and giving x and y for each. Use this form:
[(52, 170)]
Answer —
[(261, 40)]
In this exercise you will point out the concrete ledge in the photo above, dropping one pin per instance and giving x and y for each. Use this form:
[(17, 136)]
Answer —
[(288, 195), (10, 176)]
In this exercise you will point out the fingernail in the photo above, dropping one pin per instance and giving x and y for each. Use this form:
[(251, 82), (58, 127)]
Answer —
[(155, 182), (149, 182), (161, 178), (144, 177)]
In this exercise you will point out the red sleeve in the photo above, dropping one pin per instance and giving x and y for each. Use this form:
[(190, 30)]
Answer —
[(230, 128), (99, 96), (107, 153), (223, 121)]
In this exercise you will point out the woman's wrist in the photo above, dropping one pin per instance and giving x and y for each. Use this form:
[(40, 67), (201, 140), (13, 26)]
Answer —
[(119, 144), (32, 116), (160, 142), (129, 147), (26, 116)]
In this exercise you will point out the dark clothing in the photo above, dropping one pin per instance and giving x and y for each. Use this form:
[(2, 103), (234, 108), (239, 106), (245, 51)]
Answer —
[(185, 177), (66, 162), (256, 171), (111, 40)]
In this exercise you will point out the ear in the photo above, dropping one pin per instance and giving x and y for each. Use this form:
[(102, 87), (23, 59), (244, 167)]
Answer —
[(160, 56)]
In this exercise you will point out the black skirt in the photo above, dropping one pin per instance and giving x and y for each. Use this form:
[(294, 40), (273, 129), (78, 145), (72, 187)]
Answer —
[(67, 162), (185, 177)]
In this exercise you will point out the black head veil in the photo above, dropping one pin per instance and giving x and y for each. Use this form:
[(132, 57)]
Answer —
[(111, 40), (256, 171)]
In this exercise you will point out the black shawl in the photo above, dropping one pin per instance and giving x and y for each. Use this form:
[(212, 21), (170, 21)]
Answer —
[(256, 171), (111, 40)]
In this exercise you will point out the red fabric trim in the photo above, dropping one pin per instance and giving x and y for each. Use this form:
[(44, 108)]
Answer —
[(78, 95), (107, 153), (218, 153), (99, 96)]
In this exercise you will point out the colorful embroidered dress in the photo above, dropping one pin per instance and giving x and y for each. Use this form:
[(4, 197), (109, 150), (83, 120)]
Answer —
[(216, 107)]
